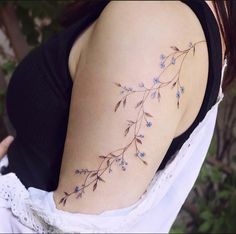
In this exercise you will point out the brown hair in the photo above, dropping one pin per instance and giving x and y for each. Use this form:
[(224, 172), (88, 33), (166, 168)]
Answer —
[(225, 11), (226, 14)]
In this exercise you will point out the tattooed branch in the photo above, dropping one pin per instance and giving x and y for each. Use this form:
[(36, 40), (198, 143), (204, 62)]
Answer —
[(94, 177)]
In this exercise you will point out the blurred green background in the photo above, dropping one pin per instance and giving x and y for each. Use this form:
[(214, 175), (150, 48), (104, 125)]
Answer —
[(211, 205)]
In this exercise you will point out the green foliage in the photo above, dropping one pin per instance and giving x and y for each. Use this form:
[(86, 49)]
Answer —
[(8, 67), (3, 2), (215, 217), (216, 202), (178, 229), (213, 147), (217, 210), (28, 11)]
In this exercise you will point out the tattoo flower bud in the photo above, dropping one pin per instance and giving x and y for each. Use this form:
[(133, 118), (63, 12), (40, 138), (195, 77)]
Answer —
[(156, 80), (153, 95), (77, 189), (142, 154), (162, 56), (162, 65), (141, 135), (141, 84), (149, 124), (173, 60), (178, 94)]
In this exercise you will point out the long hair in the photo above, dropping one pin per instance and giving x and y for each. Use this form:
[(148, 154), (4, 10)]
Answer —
[(226, 15)]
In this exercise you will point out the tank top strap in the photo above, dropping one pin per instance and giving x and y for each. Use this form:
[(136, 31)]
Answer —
[(211, 31)]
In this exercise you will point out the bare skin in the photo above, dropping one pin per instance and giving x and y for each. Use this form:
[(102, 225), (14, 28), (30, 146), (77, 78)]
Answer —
[(99, 130), (81, 44), (93, 177), (83, 40)]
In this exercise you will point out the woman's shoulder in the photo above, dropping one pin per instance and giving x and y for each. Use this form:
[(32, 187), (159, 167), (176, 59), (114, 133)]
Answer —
[(122, 18), (133, 34)]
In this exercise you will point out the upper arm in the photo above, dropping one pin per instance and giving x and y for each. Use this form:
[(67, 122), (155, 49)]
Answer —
[(118, 107)]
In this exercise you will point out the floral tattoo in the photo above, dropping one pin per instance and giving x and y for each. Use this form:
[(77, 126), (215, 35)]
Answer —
[(93, 177)]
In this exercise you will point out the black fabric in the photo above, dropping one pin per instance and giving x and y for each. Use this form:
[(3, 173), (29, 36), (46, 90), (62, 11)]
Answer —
[(39, 93), (37, 102), (212, 34)]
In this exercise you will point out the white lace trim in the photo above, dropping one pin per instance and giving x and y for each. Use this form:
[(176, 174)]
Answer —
[(3, 162), (16, 197)]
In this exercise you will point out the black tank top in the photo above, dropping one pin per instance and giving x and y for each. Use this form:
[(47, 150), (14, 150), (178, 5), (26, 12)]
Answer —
[(39, 93)]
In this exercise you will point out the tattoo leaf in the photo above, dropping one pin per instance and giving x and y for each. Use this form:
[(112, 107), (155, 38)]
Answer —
[(95, 173), (118, 84), (138, 140), (101, 156), (101, 179), (139, 103), (126, 131), (61, 200), (173, 85), (64, 202), (108, 163), (193, 50), (147, 114), (77, 171), (66, 193), (174, 48), (94, 186), (124, 102), (117, 105), (145, 162)]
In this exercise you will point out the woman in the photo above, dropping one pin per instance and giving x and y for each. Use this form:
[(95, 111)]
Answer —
[(144, 95)]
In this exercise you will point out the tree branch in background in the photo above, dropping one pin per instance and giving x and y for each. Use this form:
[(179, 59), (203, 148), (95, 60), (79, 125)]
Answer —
[(13, 30), (222, 167)]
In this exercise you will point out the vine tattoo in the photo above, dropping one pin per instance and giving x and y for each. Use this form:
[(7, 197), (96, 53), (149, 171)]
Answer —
[(93, 177)]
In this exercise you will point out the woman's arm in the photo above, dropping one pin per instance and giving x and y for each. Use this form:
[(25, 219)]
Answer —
[(134, 84)]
